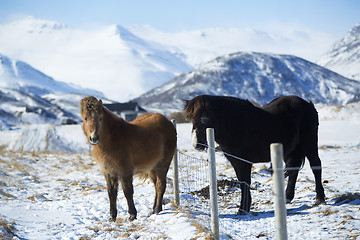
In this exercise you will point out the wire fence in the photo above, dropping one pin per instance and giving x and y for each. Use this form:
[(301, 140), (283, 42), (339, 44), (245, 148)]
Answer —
[(195, 196), (194, 186), (194, 189)]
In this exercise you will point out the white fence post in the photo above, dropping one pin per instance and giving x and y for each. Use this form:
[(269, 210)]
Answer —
[(213, 184), (176, 174), (276, 152)]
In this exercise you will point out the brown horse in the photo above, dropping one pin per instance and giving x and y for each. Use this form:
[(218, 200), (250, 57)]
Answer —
[(145, 146)]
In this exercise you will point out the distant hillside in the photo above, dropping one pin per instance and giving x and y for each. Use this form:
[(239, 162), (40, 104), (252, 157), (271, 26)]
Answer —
[(258, 77), (108, 58), (344, 56), (28, 96), (18, 108), (21, 76)]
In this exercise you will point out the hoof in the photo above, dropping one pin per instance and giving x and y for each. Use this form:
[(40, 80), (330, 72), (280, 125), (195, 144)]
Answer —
[(288, 201), (156, 212), (132, 218), (319, 201), (242, 212)]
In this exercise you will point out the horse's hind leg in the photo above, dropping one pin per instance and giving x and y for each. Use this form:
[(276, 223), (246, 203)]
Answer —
[(154, 180), (112, 184), (315, 164), (127, 186), (159, 180), (311, 152), (158, 176), (293, 164)]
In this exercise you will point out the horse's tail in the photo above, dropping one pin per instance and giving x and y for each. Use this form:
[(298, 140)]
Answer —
[(310, 121), (308, 136), (143, 176), (294, 163)]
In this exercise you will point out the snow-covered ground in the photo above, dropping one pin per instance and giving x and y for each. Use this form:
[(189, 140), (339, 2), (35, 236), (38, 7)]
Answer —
[(51, 195)]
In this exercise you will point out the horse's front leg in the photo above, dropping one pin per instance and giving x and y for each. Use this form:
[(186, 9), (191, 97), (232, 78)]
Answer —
[(112, 184), (243, 173), (127, 186), (245, 197), (290, 189)]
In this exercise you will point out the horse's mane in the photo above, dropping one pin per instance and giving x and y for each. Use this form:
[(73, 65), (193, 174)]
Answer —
[(194, 106), (90, 104)]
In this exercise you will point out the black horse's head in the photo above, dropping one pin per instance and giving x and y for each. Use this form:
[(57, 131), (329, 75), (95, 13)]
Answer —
[(195, 110)]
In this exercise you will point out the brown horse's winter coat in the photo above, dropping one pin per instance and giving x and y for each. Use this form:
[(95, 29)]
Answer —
[(145, 146)]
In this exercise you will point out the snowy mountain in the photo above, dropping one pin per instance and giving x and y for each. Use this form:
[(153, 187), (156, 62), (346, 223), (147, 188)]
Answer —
[(29, 96), (344, 56), (125, 62), (110, 59), (258, 77), (19, 75), (203, 45)]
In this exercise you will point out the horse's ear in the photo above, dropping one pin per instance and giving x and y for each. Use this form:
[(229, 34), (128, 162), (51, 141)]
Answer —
[(82, 105), (100, 103)]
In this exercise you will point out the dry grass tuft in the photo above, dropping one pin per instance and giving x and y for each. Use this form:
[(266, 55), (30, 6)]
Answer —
[(326, 147), (201, 230), (38, 197), (7, 196), (8, 227), (2, 149), (328, 212), (164, 236), (85, 238)]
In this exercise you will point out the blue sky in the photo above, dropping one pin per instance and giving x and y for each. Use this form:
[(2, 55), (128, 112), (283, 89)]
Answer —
[(332, 16)]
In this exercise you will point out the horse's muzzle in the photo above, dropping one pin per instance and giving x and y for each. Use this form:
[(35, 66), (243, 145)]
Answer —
[(195, 142), (94, 139), (201, 147)]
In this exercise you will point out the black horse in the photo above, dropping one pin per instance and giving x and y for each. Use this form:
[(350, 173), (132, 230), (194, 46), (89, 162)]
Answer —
[(245, 131)]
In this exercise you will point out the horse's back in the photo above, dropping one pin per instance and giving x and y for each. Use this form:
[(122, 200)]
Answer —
[(155, 123), (294, 107), (297, 117)]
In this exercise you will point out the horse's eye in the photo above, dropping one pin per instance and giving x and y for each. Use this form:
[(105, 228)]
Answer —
[(86, 119)]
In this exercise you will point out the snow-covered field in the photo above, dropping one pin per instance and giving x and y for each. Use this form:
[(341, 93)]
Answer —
[(51, 195)]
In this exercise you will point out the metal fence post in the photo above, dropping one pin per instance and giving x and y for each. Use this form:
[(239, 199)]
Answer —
[(276, 152), (213, 184), (176, 174)]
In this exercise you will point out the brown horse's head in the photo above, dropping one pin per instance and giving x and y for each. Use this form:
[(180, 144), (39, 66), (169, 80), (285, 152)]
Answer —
[(91, 111)]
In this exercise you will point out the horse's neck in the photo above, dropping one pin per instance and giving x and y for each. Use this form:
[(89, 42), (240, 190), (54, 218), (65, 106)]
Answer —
[(112, 122), (111, 119)]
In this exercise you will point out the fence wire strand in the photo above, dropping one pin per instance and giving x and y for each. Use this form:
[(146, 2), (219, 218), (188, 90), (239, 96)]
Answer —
[(313, 168)]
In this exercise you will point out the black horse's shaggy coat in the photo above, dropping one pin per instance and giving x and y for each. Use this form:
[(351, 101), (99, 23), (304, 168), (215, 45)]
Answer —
[(246, 131)]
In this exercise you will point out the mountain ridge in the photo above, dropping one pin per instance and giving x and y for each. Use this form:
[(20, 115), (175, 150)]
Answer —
[(15, 74), (27, 96), (105, 58), (258, 77), (344, 55)]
